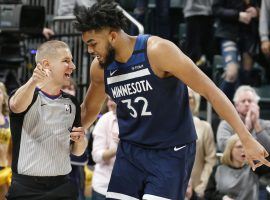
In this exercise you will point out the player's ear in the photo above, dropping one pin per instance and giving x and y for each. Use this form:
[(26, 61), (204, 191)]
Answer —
[(113, 36)]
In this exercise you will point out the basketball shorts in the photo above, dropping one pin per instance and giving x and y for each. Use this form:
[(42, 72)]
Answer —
[(158, 174)]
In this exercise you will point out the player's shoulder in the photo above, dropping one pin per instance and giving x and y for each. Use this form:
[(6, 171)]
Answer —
[(156, 43), (159, 48)]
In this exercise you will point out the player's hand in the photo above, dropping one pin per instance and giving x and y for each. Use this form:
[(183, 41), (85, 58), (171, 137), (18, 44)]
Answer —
[(254, 151), (77, 134)]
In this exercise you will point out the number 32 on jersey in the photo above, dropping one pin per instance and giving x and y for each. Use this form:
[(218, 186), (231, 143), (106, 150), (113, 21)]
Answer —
[(133, 111)]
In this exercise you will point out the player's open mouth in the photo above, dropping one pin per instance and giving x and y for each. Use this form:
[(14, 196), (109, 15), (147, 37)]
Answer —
[(243, 156)]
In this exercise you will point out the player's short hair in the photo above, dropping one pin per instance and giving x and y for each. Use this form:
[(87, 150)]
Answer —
[(49, 49), (104, 14)]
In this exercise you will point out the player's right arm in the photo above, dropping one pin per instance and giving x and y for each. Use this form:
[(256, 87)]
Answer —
[(95, 95), (23, 97)]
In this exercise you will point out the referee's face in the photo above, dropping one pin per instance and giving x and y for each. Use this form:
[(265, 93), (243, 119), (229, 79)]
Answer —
[(62, 66)]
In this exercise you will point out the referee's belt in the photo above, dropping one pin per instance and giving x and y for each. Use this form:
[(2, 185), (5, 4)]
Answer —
[(40, 179)]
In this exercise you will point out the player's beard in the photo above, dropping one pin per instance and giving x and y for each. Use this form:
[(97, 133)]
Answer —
[(109, 57)]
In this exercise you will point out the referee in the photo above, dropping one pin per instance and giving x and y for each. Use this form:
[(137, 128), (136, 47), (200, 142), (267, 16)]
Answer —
[(45, 127)]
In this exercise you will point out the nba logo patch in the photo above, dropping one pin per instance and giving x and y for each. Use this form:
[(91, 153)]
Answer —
[(68, 108)]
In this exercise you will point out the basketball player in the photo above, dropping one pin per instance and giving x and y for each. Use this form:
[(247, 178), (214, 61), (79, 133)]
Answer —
[(147, 76), (43, 119)]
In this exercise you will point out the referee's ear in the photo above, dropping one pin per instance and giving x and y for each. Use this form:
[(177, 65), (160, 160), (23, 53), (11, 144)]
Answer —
[(45, 64)]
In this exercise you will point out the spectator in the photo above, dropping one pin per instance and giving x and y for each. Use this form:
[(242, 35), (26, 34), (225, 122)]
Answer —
[(105, 143), (206, 148), (88, 182), (5, 142), (162, 16), (199, 22), (66, 7), (232, 179), (246, 104), (233, 19), (46, 31), (13, 52), (264, 27), (43, 120)]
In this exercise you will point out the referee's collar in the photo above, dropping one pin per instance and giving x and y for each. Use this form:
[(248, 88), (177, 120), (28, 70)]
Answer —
[(49, 95)]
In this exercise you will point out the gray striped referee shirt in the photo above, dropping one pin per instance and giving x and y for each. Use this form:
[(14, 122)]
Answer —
[(41, 137)]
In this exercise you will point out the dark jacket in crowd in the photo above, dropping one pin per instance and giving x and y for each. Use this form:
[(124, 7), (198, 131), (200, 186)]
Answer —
[(226, 13)]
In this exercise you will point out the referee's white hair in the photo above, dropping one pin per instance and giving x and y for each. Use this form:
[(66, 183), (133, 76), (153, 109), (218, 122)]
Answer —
[(245, 88)]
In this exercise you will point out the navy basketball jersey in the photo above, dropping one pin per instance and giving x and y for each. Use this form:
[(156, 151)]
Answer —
[(152, 112)]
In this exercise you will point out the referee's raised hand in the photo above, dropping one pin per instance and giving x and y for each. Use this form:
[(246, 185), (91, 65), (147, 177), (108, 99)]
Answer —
[(40, 75)]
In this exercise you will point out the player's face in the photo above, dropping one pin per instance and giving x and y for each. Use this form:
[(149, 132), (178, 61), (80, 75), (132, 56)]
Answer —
[(238, 154), (245, 99), (99, 46), (62, 67)]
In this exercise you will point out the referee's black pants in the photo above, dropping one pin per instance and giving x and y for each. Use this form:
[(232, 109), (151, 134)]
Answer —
[(41, 188)]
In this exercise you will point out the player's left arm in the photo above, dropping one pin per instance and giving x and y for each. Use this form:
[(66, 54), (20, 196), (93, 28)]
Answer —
[(167, 59)]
